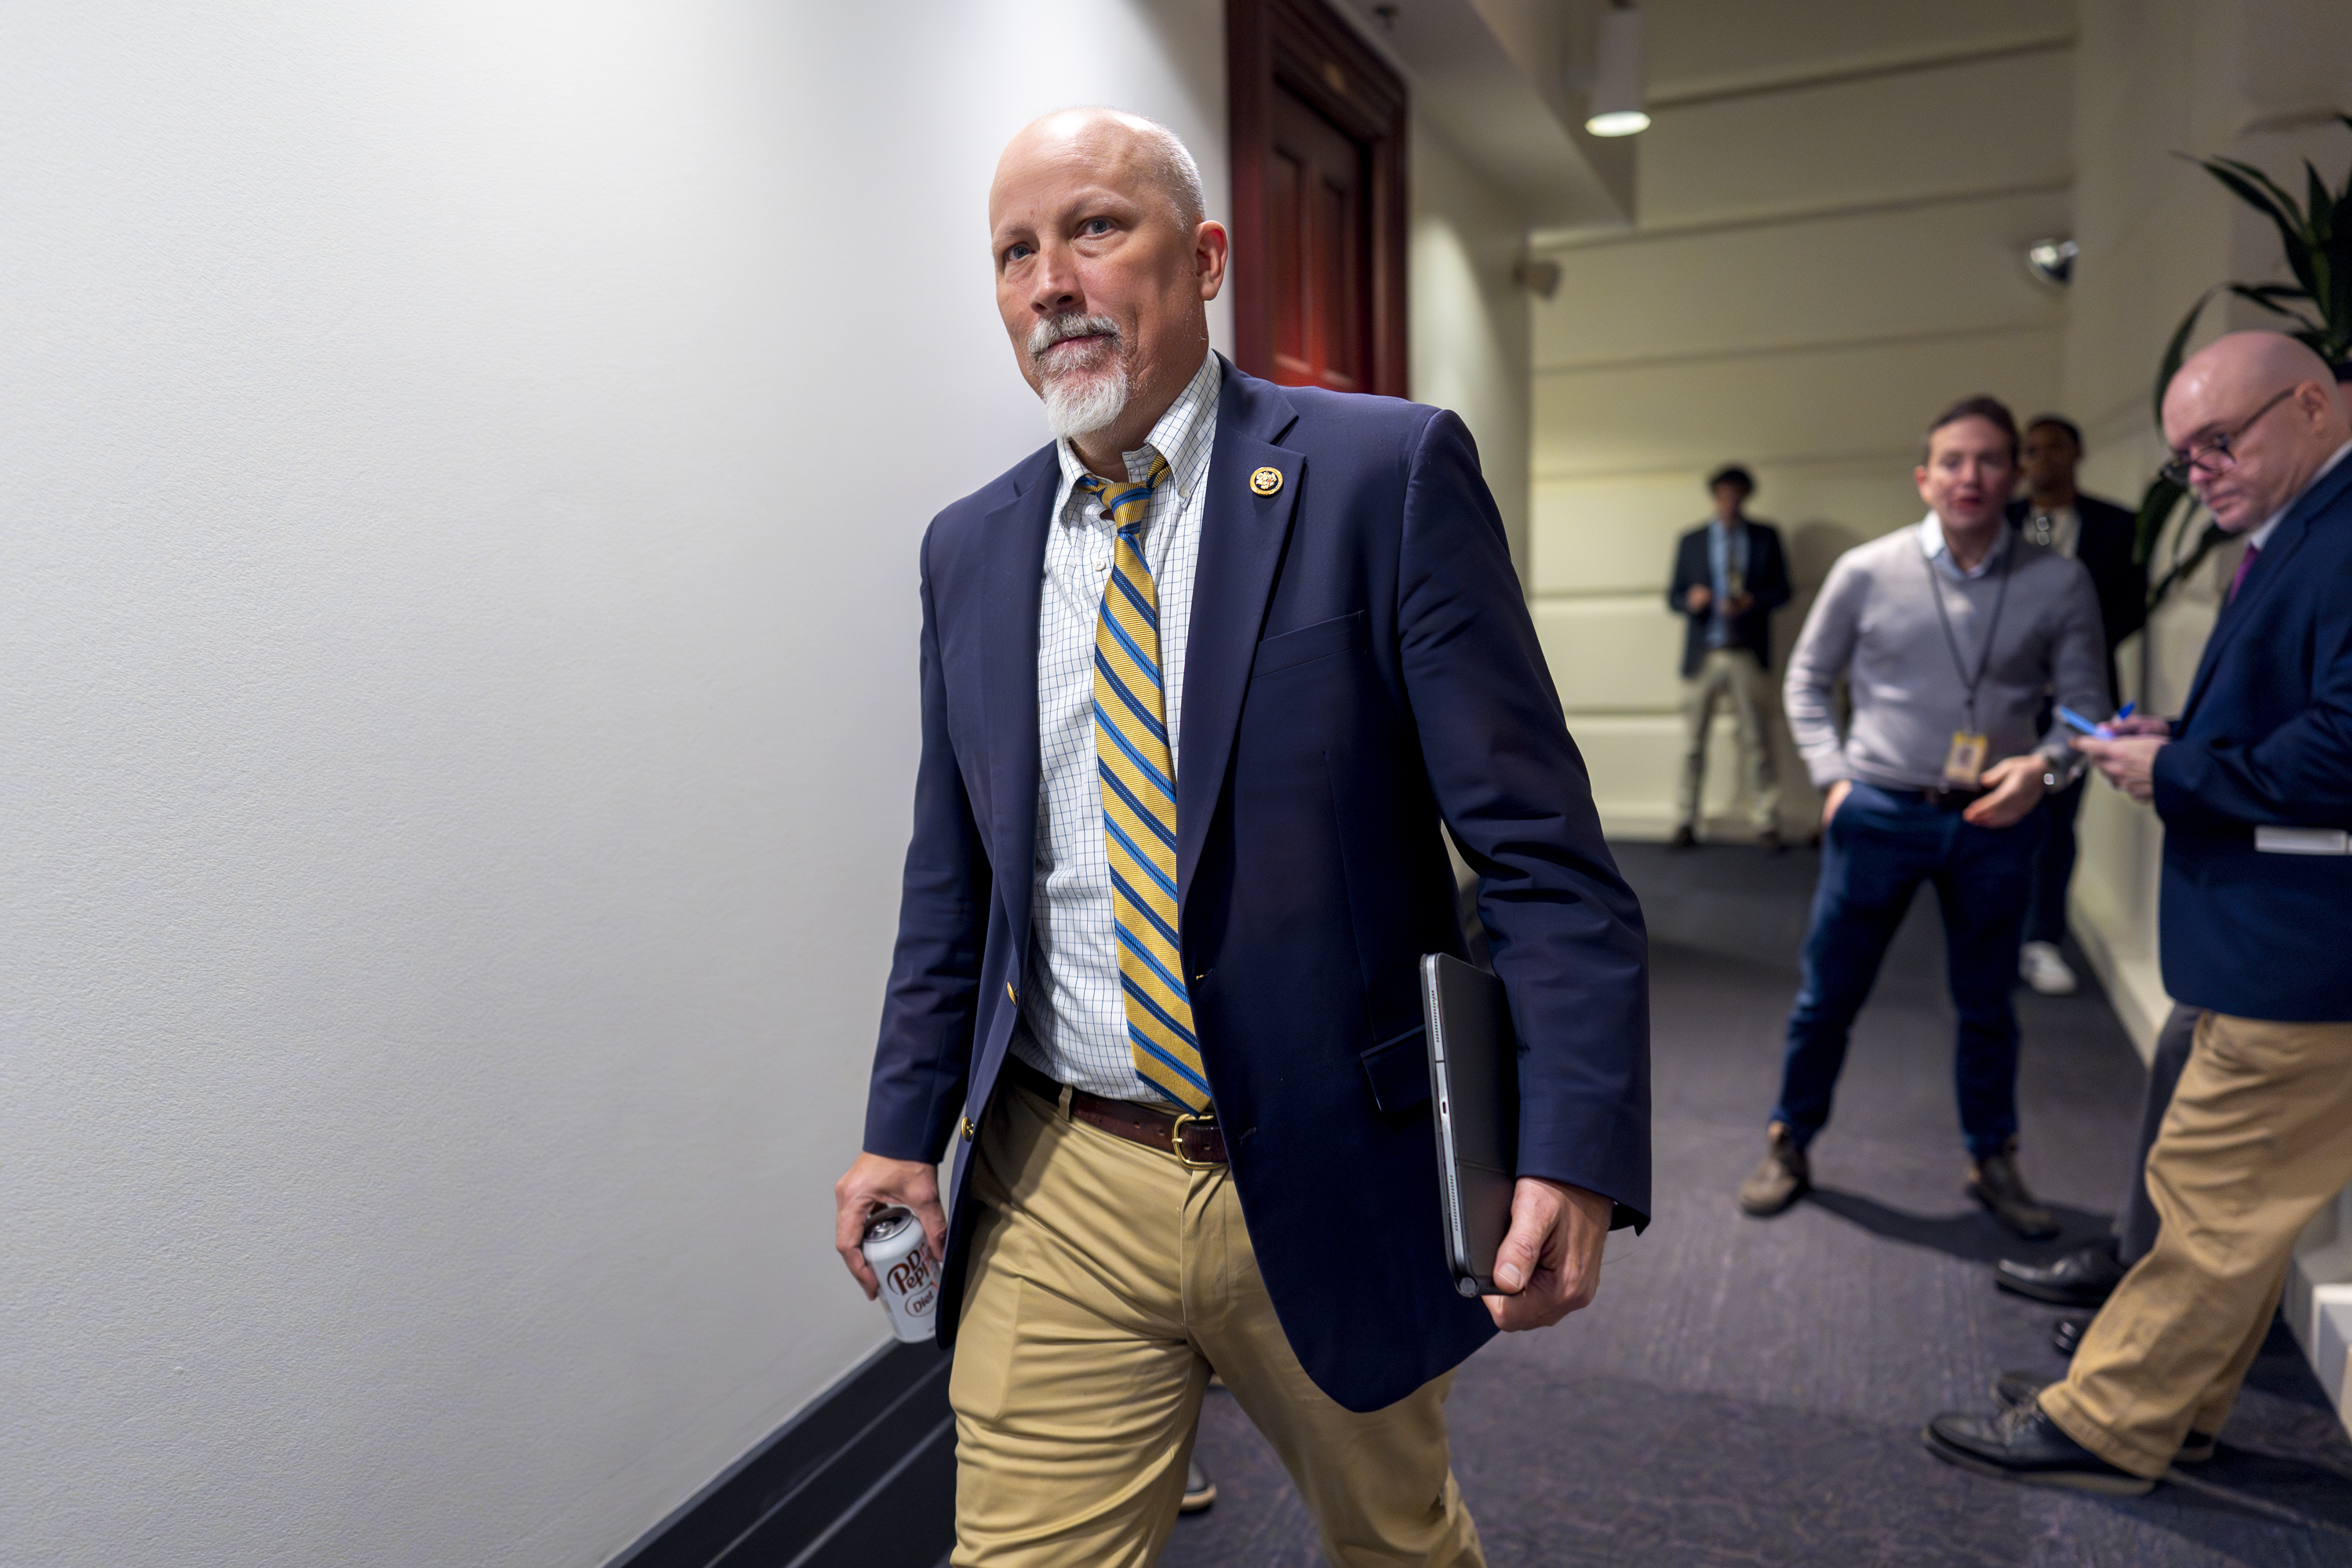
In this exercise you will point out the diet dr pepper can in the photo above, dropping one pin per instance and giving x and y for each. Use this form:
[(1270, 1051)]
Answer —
[(910, 1282)]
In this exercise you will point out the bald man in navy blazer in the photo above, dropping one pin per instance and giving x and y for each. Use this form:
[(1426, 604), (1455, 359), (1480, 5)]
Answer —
[(1355, 673)]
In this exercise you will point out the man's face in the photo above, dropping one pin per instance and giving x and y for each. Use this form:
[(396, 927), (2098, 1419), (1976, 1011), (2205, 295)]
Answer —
[(1969, 473), (2048, 456), (1728, 498), (2266, 463), (1101, 289)]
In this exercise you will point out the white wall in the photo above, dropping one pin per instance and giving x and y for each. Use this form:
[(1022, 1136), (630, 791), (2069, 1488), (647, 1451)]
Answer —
[(1833, 203), (1467, 326), (456, 609)]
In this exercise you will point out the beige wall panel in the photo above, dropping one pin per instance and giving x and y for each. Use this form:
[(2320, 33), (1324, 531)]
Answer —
[(1631, 760), (1612, 655), (1994, 124), (1952, 267), (1704, 44), (1634, 760), (1468, 320), (1617, 535), (1680, 418)]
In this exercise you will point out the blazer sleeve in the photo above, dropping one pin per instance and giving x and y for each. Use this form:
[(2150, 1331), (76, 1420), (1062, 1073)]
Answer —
[(2299, 774), (924, 1055), (1686, 576), (1564, 930), (1768, 582)]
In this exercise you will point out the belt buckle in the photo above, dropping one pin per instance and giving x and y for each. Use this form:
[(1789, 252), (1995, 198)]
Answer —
[(1176, 1141)]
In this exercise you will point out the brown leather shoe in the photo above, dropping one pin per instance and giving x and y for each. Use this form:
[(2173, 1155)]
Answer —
[(1780, 1178), (1994, 1182)]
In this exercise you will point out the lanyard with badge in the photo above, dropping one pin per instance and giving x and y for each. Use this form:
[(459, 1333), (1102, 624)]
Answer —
[(1964, 764)]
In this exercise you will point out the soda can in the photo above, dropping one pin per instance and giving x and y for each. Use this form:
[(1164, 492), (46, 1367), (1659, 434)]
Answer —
[(911, 1281)]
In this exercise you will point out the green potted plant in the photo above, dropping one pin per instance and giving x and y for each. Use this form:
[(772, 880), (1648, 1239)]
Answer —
[(2317, 235)]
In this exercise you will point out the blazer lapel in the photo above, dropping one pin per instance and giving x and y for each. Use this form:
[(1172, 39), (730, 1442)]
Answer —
[(2239, 611), (1015, 554), (1241, 536)]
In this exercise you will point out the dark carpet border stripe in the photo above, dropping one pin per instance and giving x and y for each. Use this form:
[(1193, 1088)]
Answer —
[(865, 1476)]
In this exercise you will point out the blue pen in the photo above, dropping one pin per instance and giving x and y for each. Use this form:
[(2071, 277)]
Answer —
[(2126, 711), (2076, 721)]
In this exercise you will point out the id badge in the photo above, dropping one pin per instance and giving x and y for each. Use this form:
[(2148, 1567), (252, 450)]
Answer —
[(1964, 764)]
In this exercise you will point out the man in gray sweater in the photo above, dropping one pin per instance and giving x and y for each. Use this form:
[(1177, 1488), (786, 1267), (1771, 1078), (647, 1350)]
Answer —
[(1948, 634)]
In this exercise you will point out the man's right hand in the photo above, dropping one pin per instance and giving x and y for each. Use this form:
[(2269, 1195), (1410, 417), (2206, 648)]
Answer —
[(1696, 600), (1835, 798), (875, 1182), (2140, 724)]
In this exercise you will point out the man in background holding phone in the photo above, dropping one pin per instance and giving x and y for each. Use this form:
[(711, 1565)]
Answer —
[(2254, 781), (1948, 634)]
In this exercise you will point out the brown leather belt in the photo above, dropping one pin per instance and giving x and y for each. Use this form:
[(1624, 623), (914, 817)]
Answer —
[(1941, 799), (1197, 1140)]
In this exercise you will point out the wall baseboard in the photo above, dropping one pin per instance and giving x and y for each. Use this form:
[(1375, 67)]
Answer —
[(865, 1476)]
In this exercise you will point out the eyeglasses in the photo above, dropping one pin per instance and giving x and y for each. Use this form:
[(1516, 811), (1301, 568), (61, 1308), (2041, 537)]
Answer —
[(2212, 455)]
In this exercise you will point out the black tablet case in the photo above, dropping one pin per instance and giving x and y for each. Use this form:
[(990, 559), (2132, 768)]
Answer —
[(1474, 1077)]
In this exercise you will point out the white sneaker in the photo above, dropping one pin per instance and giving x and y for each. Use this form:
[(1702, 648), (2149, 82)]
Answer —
[(2042, 967)]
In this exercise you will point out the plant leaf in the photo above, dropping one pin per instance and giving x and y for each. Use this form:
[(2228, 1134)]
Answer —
[(2214, 534), (2175, 352), (2156, 509), (2293, 240)]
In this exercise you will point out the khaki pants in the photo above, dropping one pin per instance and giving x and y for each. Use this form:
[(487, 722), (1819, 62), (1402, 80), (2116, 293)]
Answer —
[(1732, 675), (2258, 1141), (1107, 1281)]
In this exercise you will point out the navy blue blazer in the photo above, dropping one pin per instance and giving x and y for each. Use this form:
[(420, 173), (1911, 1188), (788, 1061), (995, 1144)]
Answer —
[(1767, 585), (2266, 738), (1361, 666)]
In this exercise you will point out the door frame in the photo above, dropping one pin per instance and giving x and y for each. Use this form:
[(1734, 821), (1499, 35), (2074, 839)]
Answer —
[(1303, 45)]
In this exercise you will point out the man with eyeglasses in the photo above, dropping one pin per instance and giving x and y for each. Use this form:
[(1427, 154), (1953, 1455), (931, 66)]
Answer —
[(2253, 782)]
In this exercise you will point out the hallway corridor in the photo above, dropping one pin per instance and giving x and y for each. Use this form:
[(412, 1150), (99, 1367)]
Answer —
[(1751, 1392)]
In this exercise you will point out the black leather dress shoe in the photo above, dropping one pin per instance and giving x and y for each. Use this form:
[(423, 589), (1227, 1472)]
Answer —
[(2015, 1388), (2067, 1335), (2083, 1278), (2020, 1444)]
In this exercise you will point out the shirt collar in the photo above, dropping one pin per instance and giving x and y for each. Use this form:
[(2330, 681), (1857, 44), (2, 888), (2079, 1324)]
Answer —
[(1179, 435), (2260, 537), (1939, 553)]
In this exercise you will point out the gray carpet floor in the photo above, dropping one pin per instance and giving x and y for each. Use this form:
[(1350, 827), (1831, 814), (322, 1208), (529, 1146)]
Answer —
[(1750, 1391)]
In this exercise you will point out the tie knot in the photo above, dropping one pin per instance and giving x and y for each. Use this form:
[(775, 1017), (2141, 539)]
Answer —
[(1127, 502)]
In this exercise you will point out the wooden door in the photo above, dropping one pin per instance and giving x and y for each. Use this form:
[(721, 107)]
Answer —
[(1318, 200), (1319, 230)]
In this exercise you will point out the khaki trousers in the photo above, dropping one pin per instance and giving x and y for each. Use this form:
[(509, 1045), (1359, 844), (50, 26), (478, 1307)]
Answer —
[(1106, 1281), (1733, 676), (2259, 1139)]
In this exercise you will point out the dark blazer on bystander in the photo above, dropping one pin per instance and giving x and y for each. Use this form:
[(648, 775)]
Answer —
[(2266, 739)]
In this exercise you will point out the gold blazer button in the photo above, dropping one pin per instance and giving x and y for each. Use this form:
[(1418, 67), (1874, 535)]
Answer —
[(1011, 995), (969, 1130), (1265, 481)]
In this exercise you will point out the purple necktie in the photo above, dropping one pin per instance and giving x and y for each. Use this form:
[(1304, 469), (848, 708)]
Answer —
[(2245, 565)]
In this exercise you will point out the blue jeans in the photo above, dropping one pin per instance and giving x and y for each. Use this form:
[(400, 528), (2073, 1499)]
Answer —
[(1877, 850)]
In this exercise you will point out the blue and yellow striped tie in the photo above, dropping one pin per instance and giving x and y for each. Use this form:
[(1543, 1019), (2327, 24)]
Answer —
[(1138, 791)]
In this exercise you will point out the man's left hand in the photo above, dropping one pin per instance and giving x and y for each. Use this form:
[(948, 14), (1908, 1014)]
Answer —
[(1550, 1261), (2013, 787), (2129, 761)]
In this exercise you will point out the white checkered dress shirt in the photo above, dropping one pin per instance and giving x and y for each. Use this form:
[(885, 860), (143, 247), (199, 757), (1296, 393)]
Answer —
[(1073, 1013)]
